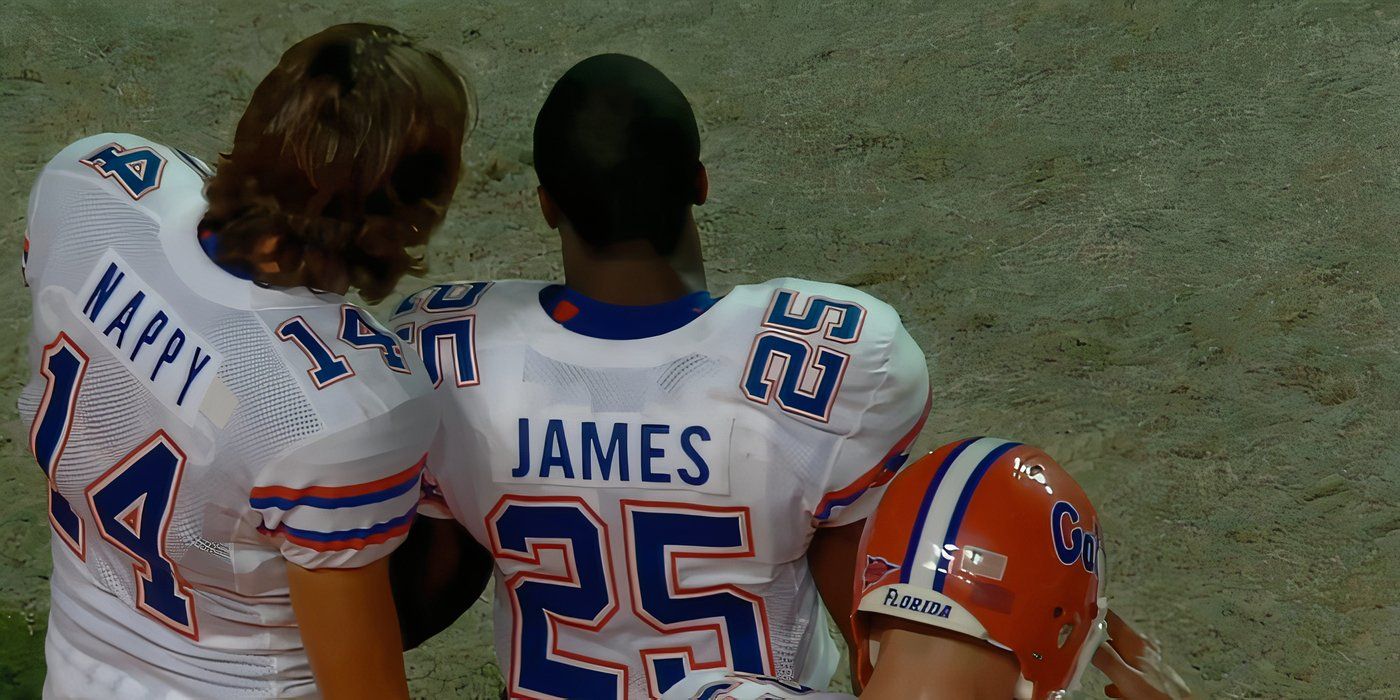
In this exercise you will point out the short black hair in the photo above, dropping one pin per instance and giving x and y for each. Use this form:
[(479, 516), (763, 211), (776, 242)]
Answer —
[(617, 148)]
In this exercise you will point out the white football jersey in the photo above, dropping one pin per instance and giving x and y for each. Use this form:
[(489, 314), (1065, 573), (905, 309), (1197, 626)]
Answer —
[(649, 502), (720, 684), (196, 430)]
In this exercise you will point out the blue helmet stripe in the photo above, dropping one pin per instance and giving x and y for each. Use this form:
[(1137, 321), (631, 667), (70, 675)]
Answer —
[(961, 509), (916, 532)]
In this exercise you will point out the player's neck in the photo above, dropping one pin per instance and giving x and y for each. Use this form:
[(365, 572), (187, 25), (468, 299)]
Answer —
[(624, 283), (632, 274)]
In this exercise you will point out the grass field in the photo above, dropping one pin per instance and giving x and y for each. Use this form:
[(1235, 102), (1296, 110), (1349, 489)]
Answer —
[(1157, 238)]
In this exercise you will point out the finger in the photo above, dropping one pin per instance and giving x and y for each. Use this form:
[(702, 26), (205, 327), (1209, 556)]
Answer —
[(1130, 643), (1128, 681)]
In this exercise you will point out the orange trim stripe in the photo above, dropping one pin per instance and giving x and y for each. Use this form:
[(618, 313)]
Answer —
[(359, 543), (289, 493), (879, 474), (338, 545)]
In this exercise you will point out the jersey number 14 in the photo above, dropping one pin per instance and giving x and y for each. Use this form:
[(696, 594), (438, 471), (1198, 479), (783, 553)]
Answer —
[(131, 502)]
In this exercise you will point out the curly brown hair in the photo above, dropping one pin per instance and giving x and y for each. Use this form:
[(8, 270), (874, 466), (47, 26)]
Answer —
[(343, 163)]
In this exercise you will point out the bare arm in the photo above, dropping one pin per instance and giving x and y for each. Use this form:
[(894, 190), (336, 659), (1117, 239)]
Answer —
[(350, 630), (919, 662), (437, 574), (832, 558)]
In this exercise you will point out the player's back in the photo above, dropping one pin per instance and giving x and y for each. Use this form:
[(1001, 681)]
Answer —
[(650, 501), (197, 430)]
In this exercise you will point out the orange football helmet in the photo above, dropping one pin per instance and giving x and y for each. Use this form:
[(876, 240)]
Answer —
[(995, 540)]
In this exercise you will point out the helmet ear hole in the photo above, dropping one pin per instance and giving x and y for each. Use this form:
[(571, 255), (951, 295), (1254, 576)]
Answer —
[(1065, 632), (1058, 612)]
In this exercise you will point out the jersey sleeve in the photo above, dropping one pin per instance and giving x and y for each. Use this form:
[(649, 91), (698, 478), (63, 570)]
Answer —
[(58, 184), (438, 323), (879, 444), (405, 322), (347, 499), (432, 502), (124, 165)]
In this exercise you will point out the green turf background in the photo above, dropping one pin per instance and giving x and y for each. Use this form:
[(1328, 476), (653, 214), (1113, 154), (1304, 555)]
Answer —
[(1157, 238)]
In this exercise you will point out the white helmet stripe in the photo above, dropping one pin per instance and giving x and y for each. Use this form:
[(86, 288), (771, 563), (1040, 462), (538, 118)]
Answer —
[(928, 539)]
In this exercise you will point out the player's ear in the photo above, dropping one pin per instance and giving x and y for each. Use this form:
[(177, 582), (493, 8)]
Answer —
[(548, 208), (702, 185)]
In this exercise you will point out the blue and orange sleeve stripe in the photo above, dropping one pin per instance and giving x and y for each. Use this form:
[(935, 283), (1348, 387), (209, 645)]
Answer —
[(877, 476), (356, 538), (330, 497)]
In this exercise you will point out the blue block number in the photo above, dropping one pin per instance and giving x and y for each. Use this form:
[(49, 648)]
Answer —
[(137, 170), (358, 329), (811, 372), (584, 597), (839, 320), (660, 534), (795, 356), (327, 367), (458, 334), (63, 365), (540, 600), (455, 330), (131, 504), (444, 298)]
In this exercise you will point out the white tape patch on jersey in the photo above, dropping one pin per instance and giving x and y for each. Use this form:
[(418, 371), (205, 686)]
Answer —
[(587, 451), (142, 329), (219, 403)]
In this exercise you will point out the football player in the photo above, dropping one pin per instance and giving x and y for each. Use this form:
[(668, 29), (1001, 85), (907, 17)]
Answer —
[(982, 577), (668, 480), (983, 570), (231, 448)]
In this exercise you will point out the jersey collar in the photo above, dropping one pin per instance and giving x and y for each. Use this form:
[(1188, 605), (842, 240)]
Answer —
[(596, 319), (209, 242)]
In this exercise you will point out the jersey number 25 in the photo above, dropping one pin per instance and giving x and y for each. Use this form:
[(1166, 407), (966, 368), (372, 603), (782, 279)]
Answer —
[(657, 537), (788, 362)]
